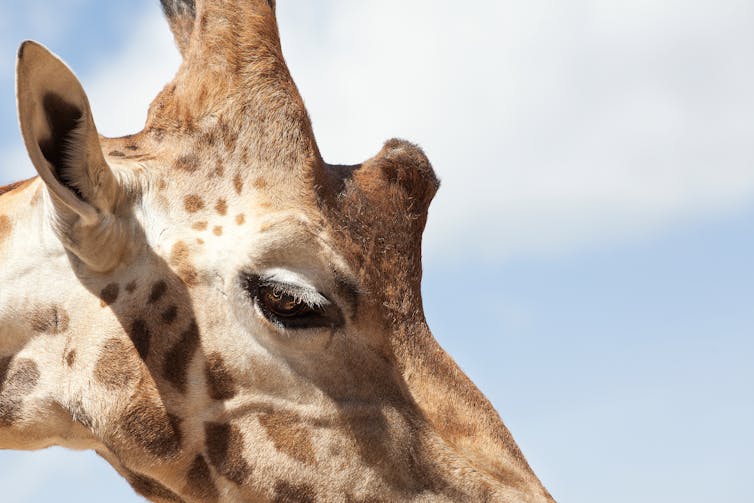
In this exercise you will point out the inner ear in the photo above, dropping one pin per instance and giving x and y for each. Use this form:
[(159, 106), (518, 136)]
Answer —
[(64, 121)]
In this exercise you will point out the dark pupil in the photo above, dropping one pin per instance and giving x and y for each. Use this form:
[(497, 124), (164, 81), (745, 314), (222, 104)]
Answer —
[(283, 304)]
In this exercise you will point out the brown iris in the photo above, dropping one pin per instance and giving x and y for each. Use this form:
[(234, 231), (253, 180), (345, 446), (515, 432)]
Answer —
[(281, 304)]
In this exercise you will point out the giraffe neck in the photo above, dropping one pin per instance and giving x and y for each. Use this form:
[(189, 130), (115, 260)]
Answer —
[(32, 266), (26, 238), (472, 438)]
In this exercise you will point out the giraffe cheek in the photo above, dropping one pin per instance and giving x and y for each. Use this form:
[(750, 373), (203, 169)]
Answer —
[(149, 426), (118, 366), (225, 448), (199, 481)]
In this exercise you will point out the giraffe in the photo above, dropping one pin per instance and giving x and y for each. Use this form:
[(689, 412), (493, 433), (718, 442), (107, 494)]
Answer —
[(217, 312)]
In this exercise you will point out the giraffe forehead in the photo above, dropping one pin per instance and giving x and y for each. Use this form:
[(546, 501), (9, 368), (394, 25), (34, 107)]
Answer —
[(207, 215), (215, 155), (220, 196), (209, 230)]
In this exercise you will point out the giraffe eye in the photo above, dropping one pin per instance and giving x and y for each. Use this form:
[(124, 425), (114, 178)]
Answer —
[(281, 304), (291, 306)]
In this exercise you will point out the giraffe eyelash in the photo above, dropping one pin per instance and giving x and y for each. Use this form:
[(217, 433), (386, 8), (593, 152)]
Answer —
[(311, 309), (311, 298)]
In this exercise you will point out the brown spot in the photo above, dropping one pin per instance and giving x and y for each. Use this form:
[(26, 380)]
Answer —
[(169, 315), (116, 153), (131, 287), (188, 163), (208, 137), (260, 183), (132, 147), (178, 359), (219, 380), (193, 203), (10, 409), (200, 484), (117, 366), (221, 207), (200, 226), (238, 183), (286, 492), (141, 337), (240, 219), (162, 184), (151, 427), (5, 227), (218, 230), (151, 489), (225, 450), (21, 380), (158, 290), (289, 436), (109, 294), (228, 136), (188, 122), (179, 258), (219, 169), (50, 320), (70, 358), (199, 241)]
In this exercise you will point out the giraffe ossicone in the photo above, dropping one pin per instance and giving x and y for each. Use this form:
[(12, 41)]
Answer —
[(216, 311)]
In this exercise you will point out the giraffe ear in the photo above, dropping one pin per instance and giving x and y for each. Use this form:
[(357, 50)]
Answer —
[(63, 144), (60, 135)]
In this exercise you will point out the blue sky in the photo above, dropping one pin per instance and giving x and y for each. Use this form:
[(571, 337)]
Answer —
[(588, 258)]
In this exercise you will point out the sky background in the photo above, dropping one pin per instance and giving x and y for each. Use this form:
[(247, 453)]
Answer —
[(588, 259)]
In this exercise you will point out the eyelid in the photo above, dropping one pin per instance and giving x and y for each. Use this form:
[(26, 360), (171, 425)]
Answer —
[(322, 311), (308, 296)]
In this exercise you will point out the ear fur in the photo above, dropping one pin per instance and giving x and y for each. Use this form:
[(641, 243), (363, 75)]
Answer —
[(63, 144)]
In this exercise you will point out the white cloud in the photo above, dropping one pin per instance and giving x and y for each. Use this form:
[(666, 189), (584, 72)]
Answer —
[(553, 126), (39, 16), (121, 89)]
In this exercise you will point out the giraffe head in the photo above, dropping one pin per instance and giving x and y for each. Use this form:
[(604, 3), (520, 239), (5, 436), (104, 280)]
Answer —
[(218, 312)]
